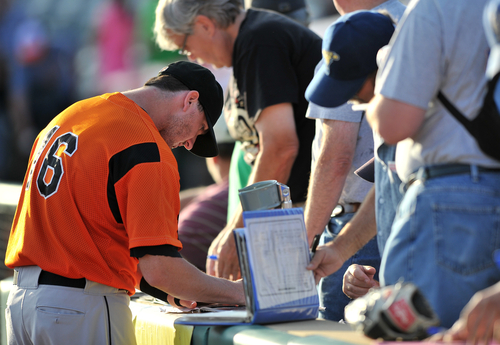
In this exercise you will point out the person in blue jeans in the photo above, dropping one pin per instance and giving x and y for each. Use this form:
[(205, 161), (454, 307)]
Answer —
[(446, 227), (445, 231)]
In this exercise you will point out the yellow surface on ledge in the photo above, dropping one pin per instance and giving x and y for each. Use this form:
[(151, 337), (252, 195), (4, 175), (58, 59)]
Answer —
[(154, 326)]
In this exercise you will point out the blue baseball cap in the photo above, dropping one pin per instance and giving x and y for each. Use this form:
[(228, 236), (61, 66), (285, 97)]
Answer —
[(350, 47)]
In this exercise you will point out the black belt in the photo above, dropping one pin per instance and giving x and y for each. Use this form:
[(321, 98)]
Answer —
[(433, 171), (47, 278)]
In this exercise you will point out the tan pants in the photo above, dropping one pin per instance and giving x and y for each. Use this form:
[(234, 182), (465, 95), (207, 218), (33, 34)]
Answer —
[(50, 314)]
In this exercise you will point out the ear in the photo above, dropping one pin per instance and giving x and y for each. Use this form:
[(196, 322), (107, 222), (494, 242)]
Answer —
[(190, 98), (205, 24)]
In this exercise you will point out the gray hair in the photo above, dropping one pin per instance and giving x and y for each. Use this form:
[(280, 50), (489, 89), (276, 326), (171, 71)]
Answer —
[(177, 16)]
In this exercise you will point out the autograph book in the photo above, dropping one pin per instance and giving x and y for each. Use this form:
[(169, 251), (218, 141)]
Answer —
[(273, 252)]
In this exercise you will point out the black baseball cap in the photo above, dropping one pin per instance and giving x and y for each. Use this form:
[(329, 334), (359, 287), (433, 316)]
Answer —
[(201, 79)]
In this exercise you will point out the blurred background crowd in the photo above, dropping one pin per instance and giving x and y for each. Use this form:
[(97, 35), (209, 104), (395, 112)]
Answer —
[(56, 52)]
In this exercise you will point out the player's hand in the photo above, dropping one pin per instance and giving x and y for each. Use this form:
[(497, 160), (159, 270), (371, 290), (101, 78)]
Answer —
[(325, 261), (212, 255), (181, 303), (479, 321), (227, 263), (358, 280)]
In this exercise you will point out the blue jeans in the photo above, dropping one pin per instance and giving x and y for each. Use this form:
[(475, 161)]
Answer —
[(443, 238), (387, 193), (330, 288)]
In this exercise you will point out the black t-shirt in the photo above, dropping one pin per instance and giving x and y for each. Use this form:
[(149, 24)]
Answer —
[(273, 62)]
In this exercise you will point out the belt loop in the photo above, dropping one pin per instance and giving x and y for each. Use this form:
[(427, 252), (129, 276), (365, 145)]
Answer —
[(27, 276), (420, 175), (474, 172), (423, 174), (14, 277)]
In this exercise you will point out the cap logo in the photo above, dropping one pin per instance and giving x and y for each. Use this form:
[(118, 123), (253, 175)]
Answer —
[(329, 58)]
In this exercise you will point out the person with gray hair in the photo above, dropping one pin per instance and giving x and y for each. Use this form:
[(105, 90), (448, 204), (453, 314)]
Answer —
[(273, 60), (179, 17)]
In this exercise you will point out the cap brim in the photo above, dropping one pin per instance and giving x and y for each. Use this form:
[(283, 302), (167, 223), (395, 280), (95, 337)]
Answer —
[(206, 144), (493, 66), (367, 171), (328, 92)]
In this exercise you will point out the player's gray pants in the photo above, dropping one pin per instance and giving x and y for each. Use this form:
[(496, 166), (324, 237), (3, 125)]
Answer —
[(48, 314)]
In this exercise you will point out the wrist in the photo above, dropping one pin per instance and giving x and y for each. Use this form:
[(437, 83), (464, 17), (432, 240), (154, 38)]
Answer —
[(342, 248)]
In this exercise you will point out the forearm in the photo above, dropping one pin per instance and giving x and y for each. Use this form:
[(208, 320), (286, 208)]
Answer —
[(355, 234), (328, 176), (178, 278), (360, 229), (236, 221), (325, 186), (278, 144), (273, 163)]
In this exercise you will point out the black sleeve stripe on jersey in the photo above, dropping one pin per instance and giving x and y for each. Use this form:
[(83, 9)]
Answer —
[(121, 163), (164, 249), (152, 291)]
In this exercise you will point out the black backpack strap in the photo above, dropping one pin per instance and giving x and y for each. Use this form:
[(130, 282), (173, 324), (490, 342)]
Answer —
[(485, 127), (454, 111), (488, 101)]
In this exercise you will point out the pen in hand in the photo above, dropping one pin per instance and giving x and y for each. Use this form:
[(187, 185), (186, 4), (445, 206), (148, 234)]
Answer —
[(314, 244)]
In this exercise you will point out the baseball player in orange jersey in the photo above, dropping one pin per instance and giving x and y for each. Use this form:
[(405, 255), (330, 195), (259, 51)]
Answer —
[(98, 212)]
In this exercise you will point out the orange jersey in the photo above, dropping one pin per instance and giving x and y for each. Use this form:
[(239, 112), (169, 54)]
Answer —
[(100, 180)]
